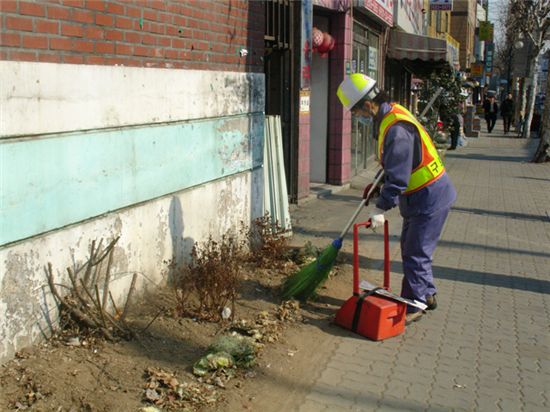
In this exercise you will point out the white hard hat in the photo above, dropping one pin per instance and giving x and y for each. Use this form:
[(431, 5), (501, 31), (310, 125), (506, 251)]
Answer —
[(354, 88)]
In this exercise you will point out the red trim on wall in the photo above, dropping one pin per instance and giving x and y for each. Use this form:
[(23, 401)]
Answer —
[(339, 138)]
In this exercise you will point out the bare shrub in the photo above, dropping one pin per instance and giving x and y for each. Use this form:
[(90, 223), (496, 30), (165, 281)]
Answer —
[(206, 285), (268, 243), (84, 310)]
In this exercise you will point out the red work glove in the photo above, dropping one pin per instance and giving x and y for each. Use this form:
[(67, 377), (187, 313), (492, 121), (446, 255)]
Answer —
[(375, 193)]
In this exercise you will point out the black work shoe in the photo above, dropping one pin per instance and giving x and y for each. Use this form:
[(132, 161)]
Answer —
[(413, 317), (431, 302)]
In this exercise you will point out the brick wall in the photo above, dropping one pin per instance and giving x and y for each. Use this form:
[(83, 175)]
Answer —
[(190, 34)]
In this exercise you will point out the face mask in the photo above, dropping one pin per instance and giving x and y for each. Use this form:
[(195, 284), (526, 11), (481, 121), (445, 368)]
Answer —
[(364, 120)]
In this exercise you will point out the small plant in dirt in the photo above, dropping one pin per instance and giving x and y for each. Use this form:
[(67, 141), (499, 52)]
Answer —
[(268, 243), (209, 282), (226, 352)]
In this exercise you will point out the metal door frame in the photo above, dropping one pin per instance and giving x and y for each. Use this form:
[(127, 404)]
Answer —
[(362, 163), (279, 38)]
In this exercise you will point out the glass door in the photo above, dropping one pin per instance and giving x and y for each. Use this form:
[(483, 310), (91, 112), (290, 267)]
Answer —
[(364, 60)]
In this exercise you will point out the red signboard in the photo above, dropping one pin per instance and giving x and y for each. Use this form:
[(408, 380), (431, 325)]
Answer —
[(476, 69), (382, 9)]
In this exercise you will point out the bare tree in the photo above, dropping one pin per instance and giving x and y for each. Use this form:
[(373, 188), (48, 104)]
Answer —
[(543, 151), (504, 44), (532, 19)]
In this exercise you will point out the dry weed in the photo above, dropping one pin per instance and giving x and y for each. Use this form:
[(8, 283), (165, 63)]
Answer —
[(209, 283), (268, 243)]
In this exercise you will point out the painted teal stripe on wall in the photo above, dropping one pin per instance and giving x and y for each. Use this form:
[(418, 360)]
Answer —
[(53, 181)]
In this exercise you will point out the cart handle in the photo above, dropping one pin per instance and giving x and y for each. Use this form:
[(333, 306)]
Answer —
[(367, 224)]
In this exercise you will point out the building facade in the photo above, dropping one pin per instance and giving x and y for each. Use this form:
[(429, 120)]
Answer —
[(142, 120), (463, 26)]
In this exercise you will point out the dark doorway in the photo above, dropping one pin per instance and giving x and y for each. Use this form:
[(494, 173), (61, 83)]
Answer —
[(280, 87)]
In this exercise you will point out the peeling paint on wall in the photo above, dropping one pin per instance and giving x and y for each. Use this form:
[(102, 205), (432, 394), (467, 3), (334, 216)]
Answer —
[(163, 158)]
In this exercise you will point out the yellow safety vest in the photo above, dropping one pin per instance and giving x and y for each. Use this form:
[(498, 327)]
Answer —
[(430, 168)]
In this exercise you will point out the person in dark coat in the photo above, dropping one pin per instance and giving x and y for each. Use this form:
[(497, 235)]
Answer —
[(457, 124), (507, 112), (490, 107)]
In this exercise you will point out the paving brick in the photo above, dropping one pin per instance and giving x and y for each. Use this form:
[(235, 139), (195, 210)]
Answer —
[(396, 387), (451, 399), (406, 358), (534, 395), (509, 375), (487, 403), (357, 367), (380, 368), (495, 390), (510, 405), (366, 379), (351, 348), (374, 387), (419, 392)]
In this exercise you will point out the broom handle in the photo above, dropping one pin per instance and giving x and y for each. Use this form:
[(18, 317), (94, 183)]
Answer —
[(377, 179)]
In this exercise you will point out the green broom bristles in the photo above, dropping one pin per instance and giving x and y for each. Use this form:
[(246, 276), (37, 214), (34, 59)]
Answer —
[(302, 284)]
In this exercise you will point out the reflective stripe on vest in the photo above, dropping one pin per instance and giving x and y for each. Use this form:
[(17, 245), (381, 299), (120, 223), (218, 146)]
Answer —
[(430, 167)]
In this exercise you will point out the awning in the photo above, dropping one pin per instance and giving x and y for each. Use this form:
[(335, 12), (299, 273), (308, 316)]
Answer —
[(415, 47), (418, 50)]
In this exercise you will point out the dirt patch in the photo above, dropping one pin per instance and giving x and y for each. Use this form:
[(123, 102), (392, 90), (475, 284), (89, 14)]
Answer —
[(73, 373)]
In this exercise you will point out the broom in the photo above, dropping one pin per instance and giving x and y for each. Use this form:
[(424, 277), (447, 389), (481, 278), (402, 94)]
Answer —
[(302, 284)]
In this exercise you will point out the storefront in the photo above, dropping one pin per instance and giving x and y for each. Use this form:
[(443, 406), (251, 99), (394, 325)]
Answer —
[(409, 57), (332, 147), (408, 18), (370, 23)]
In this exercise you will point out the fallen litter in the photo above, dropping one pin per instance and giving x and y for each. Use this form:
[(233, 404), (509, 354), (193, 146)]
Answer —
[(165, 390)]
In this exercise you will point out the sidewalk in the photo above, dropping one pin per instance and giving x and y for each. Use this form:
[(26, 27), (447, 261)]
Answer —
[(487, 346)]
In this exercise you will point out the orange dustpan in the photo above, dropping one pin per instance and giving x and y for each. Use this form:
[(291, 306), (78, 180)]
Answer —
[(367, 313)]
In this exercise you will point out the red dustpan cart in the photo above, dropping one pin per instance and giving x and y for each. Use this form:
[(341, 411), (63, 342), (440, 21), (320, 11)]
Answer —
[(366, 312)]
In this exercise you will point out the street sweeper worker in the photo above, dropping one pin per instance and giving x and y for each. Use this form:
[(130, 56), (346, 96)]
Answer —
[(414, 178)]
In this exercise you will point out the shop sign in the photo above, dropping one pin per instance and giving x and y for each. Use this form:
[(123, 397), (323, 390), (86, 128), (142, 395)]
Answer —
[(382, 9), (441, 5), (486, 30), (453, 50), (304, 101), (476, 69)]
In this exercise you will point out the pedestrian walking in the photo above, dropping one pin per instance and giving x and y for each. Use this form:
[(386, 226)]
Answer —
[(507, 109), (415, 179), (490, 107)]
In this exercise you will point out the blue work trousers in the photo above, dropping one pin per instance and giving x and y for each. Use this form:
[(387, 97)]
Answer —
[(418, 241)]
